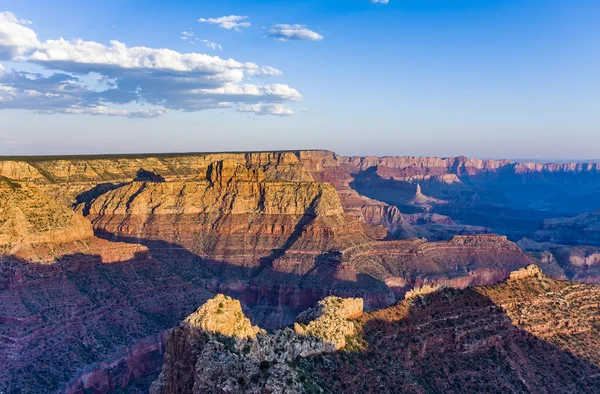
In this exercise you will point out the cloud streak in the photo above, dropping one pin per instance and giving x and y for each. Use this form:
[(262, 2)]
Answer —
[(267, 109), (284, 32), (235, 22), (154, 79), (212, 45)]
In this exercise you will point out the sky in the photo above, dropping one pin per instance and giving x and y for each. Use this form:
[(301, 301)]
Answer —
[(488, 79)]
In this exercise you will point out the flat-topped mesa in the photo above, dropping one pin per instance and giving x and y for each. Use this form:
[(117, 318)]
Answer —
[(223, 315), (234, 196), (235, 216), (460, 165), (124, 168), (531, 271), (329, 320)]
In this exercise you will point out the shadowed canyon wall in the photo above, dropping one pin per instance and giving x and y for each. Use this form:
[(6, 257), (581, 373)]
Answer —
[(102, 253)]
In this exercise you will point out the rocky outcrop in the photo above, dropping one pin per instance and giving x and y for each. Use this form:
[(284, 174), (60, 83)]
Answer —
[(581, 263), (223, 315), (36, 228), (527, 272), (328, 321), (423, 202), (209, 353), (539, 332)]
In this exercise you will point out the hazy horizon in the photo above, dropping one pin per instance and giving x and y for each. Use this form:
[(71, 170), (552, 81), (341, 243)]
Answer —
[(183, 153)]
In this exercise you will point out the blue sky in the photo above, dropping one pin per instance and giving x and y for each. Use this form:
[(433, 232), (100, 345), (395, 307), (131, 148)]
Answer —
[(508, 79)]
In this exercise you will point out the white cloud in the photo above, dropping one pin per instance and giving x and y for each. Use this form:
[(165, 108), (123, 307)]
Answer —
[(155, 77), (238, 93), (265, 71), (267, 109), (185, 35), (102, 110), (212, 45), (235, 22), (15, 36), (293, 32), (380, 1)]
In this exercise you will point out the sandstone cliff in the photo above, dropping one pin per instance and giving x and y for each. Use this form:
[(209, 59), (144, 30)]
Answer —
[(36, 228), (28, 216), (278, 230)]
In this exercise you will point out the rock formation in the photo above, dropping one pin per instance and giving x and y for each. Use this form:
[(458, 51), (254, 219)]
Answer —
[(223, 315), (582, 229), (328, 321), (36, 228), (99, 253), (541, 334), (218, 350), (527, 272), (423, 202)]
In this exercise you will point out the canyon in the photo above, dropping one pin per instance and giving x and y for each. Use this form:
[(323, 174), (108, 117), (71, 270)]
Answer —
[(528, 334), (101, 255)]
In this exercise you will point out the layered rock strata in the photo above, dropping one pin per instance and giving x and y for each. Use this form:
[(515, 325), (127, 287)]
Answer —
[(278, 230)]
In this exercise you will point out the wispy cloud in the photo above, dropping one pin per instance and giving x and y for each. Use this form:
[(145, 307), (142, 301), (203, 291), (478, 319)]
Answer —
[(187, 35), (235, 22), (267, 109), (380, 1), (284, 32), (212, 45), (154, 80)]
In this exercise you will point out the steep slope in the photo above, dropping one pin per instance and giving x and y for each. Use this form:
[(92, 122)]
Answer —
[(277, 230), (28, 216), (34, 227), (529, 334)]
